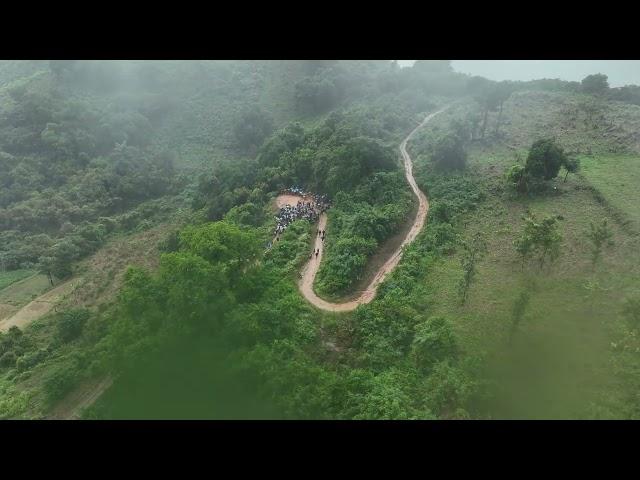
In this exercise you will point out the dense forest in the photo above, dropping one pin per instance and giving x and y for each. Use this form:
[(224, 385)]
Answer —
[(92, 152)]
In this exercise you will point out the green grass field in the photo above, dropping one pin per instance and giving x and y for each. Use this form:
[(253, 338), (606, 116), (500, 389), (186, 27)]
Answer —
[(572, 356), (7, 278), (617, 178), (22, 292)]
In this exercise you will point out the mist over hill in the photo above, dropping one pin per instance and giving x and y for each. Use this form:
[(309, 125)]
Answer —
[(620, 72)]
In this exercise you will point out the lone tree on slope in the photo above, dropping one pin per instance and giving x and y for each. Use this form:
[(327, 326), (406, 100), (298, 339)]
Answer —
[(595, 84)]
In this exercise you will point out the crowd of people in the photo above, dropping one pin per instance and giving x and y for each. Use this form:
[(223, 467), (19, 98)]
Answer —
[(309, 208)]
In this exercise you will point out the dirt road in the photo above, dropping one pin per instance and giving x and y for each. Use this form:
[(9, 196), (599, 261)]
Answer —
[(311, 268), (38, 307)]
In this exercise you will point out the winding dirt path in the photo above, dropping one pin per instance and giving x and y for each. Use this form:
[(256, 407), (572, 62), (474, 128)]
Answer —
[(311, 268)]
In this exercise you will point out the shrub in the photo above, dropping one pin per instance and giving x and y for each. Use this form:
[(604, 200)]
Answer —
[(433, 342), (71, 323), (8, 359), (449, 153)]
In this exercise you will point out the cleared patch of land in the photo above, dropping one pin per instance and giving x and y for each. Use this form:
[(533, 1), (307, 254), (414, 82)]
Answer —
[(40, 306), (21, 292)]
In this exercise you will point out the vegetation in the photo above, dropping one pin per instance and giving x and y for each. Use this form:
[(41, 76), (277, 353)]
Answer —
[(595, 84), (539, 239), (600, 236), (97, 159)]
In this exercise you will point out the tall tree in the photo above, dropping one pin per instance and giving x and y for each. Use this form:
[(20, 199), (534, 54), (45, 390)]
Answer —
[(545, 159), (503, 91), (473, 251), (595, 84)]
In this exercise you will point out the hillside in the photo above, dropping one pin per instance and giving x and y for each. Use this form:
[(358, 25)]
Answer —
[(574, 355), (151, 188)]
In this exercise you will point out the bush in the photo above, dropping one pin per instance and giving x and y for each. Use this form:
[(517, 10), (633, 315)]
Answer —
[(595, 84), (449, 153), (8, 359), (433, 342), (71, 323), (29, 360), (545, 159), (59, 383)]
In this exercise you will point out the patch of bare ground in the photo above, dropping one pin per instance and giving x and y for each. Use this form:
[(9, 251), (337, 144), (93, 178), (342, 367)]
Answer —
[(40, 306)]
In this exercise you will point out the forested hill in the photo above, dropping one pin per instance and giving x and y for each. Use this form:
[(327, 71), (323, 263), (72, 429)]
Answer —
[(85, 145), (215, 326)]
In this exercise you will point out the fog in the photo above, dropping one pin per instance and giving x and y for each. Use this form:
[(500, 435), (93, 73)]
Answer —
[(620, 72)]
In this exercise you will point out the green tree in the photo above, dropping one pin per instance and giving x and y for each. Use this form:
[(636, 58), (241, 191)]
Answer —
[(545, 159), (449, 391), (599, 236), (473, 251), (502, 93), (572, 165), (539, 238), (251, 128), (70, 324), (449, 153), (595, 84), (518, 178), (434, 341)]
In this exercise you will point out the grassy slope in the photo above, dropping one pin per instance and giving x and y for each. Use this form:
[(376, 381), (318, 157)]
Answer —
[(617, 177), (573, 356), (102, 275), (7, 278)]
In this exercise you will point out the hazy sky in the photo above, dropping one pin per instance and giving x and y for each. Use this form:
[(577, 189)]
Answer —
[(620, 72)]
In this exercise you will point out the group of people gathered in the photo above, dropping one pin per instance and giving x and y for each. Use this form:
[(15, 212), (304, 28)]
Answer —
[(309, 208)]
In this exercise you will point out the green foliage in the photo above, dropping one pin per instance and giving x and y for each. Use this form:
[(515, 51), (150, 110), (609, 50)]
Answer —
[(599, 236), (518, 178), (545, 159), (434, 341), (543, 163), (217, 298), (449, 391), (7, 278), (572, 165), (449, 153), (595, 84), (358, 223), (387, 398), (71, 323), (60, 382), (539, 238), (13, 344), (473, 251), (252, 127)]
